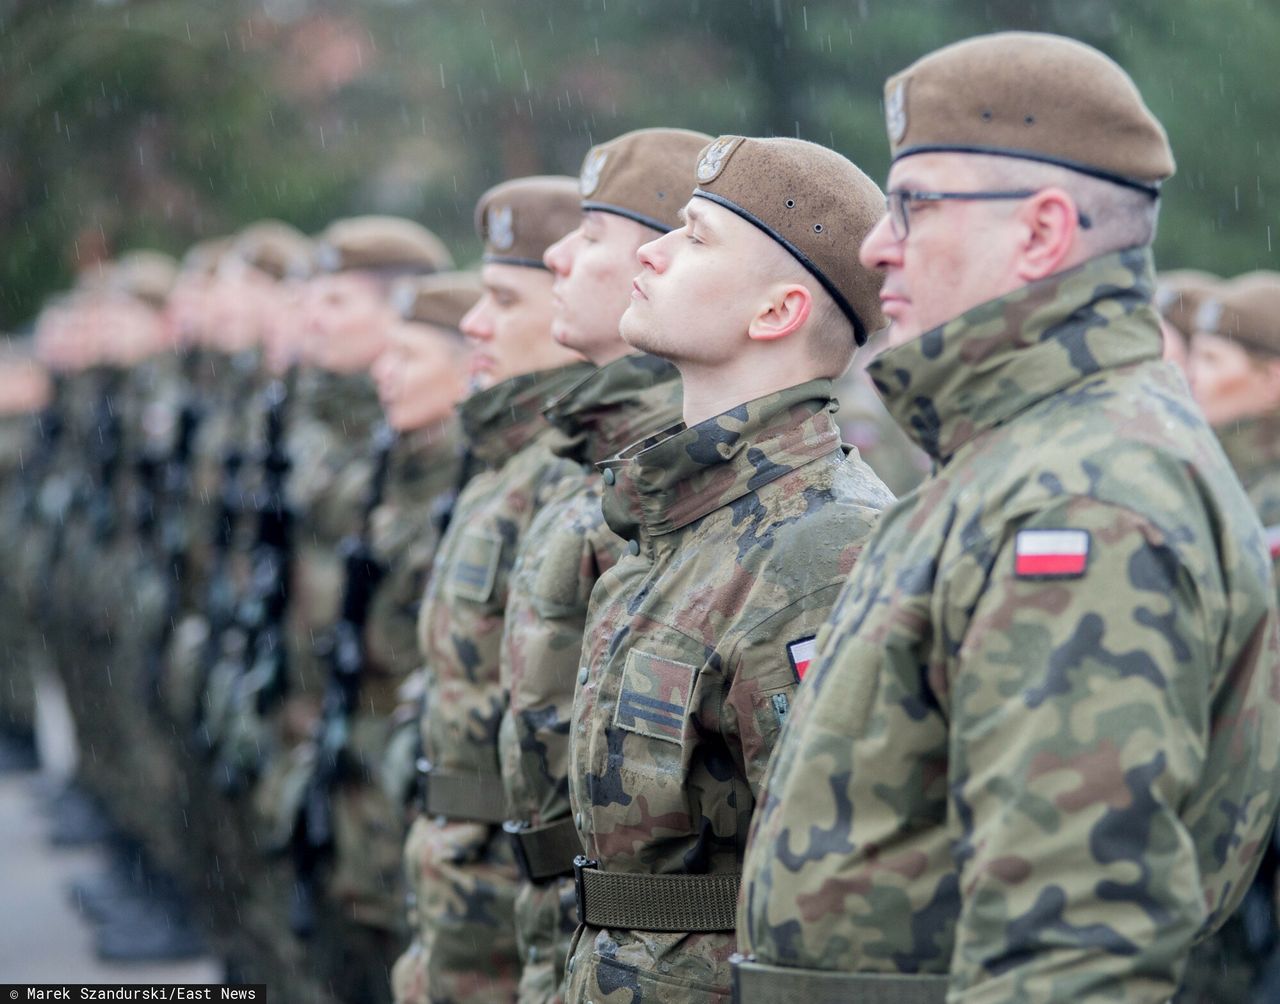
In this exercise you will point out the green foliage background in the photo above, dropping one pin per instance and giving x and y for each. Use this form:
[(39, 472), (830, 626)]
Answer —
[(156, 123)]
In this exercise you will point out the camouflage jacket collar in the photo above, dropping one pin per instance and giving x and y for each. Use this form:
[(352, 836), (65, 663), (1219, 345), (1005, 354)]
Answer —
[(1253, 447), (346, 403), (973, 373), (613, 406), (424, 462), (669, 480), (501, 420)]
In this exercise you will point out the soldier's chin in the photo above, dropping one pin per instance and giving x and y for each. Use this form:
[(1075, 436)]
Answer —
[(634, 331)]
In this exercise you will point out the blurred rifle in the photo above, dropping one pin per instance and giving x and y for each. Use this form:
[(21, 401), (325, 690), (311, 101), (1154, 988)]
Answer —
[(312, 837), (45, 440), (259, 618), (106, 449), (171, 498)]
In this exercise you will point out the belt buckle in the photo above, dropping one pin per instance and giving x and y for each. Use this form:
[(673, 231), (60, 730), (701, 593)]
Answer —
[(580, 864), (514, 829)]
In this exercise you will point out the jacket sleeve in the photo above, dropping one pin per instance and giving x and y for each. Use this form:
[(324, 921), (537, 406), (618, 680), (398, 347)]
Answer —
[(1079, 712)]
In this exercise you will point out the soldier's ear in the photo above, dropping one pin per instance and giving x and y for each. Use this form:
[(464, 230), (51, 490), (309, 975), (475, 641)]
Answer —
[(783, 314), (1051, 234)]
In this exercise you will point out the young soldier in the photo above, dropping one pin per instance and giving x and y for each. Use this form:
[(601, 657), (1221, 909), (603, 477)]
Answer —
[(461, 872), (632, 188), (740, 527), (1037, 754)]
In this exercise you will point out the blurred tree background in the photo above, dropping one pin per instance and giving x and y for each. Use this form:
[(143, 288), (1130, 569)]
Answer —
[(128, 123)]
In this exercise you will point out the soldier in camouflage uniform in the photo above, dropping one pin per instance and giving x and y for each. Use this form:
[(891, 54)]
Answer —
[(420, 377), (632, 189), (1037, 752), (460, 869), (1234, 367), (740, 524), (25, 393)]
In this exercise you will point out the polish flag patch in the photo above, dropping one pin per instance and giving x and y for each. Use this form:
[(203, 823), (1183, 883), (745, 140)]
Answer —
[(801, 653), (1273, 540), (1051, 554)]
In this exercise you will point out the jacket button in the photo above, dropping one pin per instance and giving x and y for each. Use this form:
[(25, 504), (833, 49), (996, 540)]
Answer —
[(609, 476), (582, 675), (571, 962), (634, 547)]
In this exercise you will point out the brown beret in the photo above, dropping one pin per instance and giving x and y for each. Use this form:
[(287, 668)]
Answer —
[(203, 256), (380, 244), (146, 275), (1246, 310), (274, 247), (519, 219), (1179, 294), (642, 175), (817, 204), (1031, 95), (441, 300)]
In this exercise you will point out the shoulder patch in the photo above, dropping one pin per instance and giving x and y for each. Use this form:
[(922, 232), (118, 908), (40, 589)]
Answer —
[(1051, 554), (801, 652), (654, 699)]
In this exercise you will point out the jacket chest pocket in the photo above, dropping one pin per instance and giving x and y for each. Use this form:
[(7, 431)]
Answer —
[(655, 695)]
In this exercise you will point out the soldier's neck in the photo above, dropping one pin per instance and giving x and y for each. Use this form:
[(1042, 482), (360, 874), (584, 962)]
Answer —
[(713, 390)]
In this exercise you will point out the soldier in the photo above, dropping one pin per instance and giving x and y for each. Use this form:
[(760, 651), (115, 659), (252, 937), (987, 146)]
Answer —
[(1036, 753), (349, 811), (740, 526), (461, 873), (632, 190), (25, 393), (1234, 367)]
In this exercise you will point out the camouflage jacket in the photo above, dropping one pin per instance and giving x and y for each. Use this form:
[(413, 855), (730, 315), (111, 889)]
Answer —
[(460, 624), (330, 424), (566, 550), (1039, 746), (403, 535), (740, 532), (1253, 447)]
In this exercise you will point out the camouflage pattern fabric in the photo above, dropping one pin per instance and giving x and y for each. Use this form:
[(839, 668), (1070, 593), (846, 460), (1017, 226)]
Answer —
[(1253, 447), (461, 875), (867, 424), (1227, 966), (567, 548), (740, 532), (1038, 748), (369, 827)]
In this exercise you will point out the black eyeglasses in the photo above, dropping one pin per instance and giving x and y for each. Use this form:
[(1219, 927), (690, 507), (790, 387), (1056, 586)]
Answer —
[(898, 201)]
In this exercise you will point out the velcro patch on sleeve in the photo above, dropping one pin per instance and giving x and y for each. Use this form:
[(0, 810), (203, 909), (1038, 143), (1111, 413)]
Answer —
[(800, 653), (1051, 554), (655, 694), (475, 568)]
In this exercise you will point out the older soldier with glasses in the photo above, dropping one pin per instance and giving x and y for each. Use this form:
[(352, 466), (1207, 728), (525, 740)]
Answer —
[(1036, 755)]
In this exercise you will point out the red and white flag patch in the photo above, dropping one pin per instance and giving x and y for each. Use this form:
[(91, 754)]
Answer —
[(1051, 554), (801, 653), (1273, 540)]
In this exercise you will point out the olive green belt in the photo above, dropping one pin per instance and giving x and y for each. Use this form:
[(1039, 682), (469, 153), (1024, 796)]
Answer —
[(626, 901), (544, 852), (757, 983), (469, 796)]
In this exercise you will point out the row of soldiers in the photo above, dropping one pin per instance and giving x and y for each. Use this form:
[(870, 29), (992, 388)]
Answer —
[(553, 603)]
